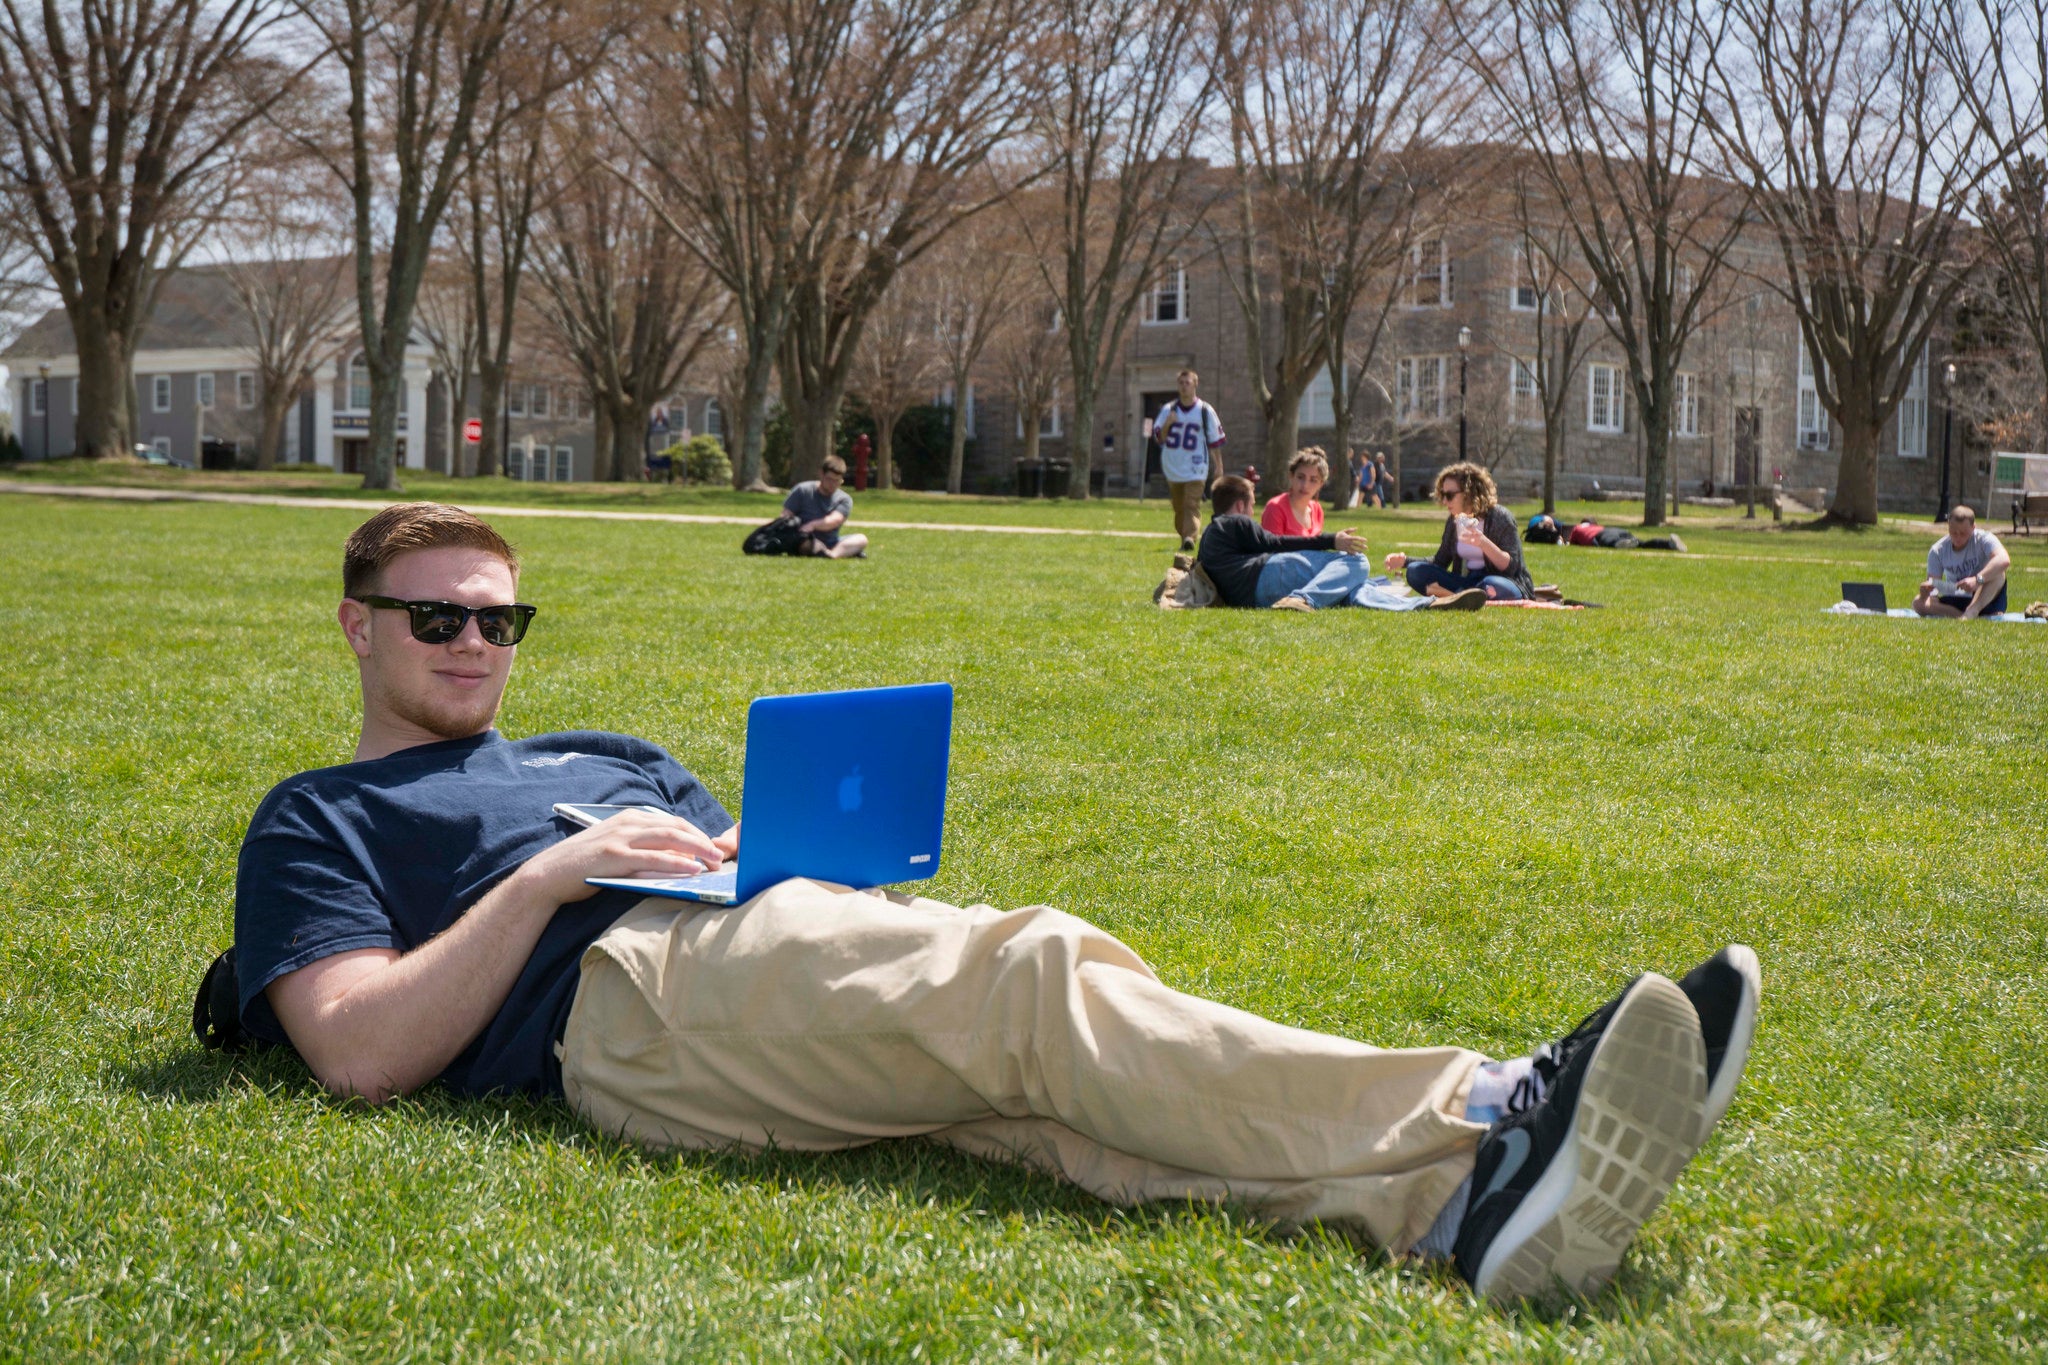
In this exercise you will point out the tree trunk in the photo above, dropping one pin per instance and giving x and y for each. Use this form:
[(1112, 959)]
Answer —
[(106, 392), (1656, 451), (1552, 440), (387, 392), (885, 450), (490, 398), (1080, 445), (270, 428), (1032, 420), (956, 452), (1283, 431), (604, 443), (752, 418), (811, 419), (1855, 500)]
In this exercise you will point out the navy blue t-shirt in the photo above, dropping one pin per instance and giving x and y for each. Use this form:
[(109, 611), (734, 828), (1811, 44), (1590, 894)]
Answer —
[(391, 851)]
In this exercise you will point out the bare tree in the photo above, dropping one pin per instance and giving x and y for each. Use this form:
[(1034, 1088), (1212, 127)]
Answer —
[(500, 196), (898, 362), (807, 152), (1603, 97), (974, 277), (633, 309), (1031, 353), (1125, 193), (290, 285), (2010, 98), (1329, 101), (447, 318), (418, 75), (1859, 143), (122, 121), (1550, 285)]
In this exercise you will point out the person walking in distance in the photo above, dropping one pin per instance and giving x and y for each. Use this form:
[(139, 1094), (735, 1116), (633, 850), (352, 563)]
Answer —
[(1189, 434)]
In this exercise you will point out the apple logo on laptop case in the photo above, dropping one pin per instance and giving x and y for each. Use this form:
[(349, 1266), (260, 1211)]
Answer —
[(849, 790)]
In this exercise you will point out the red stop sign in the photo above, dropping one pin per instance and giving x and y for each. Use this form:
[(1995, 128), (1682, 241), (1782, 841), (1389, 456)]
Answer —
[(473, 430)]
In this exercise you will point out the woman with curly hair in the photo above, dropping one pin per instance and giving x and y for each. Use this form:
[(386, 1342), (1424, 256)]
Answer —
[(1480, 547)]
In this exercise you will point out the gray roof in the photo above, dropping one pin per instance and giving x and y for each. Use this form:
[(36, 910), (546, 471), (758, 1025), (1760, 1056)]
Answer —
[(195, 308)]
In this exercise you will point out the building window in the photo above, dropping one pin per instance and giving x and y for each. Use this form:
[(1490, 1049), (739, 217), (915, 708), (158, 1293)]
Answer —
[(541, 400), (945, 400), (714, 419), (1430, 284), (1049, 425), (245, 389), (1522, 294), (160, 393), (1913, 413), (1603, 399), (515, 400), (1419, 387), (1525, 399), (203, 388), (162, 446), (1317, 408), (1168, 301), (358, 384), (515, 462), (39, 397), (1813, 419), (565, 464), (1685, 405)]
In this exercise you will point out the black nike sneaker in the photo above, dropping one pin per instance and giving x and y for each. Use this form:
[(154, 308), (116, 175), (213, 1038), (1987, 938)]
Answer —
[(1724, 991), (1560, 1188)]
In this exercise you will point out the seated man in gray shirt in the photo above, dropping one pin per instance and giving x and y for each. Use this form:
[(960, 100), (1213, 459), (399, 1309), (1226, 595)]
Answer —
[(1965, 571), (821, 506)]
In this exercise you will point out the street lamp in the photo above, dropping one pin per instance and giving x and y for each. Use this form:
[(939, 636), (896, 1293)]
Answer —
[(43, 372), (1464, 354), (1948, 401)]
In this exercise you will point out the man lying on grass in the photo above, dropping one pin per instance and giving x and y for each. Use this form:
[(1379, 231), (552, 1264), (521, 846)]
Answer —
[(1252, 567), (420, 914)]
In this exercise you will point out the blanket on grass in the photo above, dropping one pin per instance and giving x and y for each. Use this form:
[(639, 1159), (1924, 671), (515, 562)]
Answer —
[(2009, 617)]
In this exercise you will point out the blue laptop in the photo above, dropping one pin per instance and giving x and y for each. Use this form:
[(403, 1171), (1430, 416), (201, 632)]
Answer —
[(846, 787)]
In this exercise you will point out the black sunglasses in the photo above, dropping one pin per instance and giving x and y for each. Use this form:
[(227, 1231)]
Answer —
[(436, 623)]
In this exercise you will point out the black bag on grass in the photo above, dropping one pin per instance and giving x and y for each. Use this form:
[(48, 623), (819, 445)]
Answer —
[(778, 537), (217, 1009)]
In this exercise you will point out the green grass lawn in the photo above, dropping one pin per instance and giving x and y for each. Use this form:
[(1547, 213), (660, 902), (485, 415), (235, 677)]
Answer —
[(1409, 829)]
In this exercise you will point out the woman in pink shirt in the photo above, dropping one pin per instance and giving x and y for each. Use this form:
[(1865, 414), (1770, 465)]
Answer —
[(1297, 512)]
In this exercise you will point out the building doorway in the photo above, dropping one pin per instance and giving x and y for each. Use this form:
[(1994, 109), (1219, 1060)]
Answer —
[(1149, 404), (353, 453)]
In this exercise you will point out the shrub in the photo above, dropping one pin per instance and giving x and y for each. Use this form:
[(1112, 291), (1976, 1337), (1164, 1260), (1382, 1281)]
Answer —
[(704, 459)]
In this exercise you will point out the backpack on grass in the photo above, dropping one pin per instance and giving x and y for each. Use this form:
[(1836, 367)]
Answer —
[(217, 1009), (778, 537)]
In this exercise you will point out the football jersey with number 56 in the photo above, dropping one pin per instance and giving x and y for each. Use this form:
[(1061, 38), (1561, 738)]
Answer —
[(1186, 436)]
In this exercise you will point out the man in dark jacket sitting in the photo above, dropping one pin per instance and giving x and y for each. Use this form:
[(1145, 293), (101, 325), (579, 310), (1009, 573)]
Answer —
[(1252, 567)]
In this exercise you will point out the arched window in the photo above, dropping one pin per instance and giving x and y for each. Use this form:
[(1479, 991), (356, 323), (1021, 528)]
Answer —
[(358, 383), (714, 420)]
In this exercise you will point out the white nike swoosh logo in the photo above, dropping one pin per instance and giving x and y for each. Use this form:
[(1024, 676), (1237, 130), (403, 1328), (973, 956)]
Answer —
[(1517, 1142)]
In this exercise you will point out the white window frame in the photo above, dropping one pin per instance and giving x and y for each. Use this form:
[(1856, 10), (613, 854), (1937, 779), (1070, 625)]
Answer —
[(1815, 431), (1173, 286), (39, 398), (1050, 426), (515, 400), (565, 464), (1912, 419), (1606, 414), (1318, 402), (358, 363), (162, 446), (203, 391), (1525, 395), (1415, 378), (1438, 270), (1522, 293), (714, 419), (245, 389), (945, 400), (1685, 405), (515, 462), (540, 401), (160, 393)]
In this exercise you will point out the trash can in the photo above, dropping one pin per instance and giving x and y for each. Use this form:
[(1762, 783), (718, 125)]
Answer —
[(1058, 474), (1098, 481), (1027, 478)]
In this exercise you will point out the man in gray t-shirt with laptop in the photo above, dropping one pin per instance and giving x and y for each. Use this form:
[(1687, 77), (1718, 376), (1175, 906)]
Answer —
[(821, 506), (1965, 571)]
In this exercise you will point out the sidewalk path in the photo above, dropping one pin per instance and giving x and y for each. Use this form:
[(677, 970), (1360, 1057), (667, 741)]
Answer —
[(117, 494)]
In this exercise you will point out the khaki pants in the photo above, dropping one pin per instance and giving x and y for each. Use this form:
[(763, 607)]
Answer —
[(1187, 504), (816, 1018)]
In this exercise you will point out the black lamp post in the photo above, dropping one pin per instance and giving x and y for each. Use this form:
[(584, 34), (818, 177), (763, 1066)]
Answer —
[(1948, 399), (1464, 354), (43, 372)]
